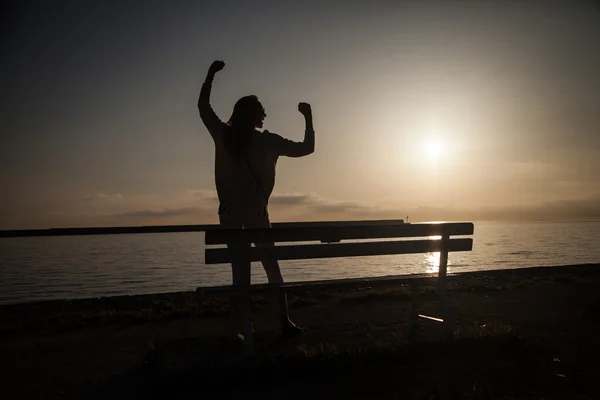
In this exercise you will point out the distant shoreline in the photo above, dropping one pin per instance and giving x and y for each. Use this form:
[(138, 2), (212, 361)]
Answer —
[(99, 230), (119, 230)]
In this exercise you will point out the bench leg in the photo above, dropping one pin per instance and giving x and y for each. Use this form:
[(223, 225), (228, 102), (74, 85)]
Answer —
[(445, 308)]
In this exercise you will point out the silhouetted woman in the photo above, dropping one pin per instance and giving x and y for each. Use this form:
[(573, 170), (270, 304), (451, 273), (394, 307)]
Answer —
[(245, 161)]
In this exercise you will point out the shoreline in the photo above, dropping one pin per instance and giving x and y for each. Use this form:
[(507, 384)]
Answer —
[(523, 318), (135, 297)]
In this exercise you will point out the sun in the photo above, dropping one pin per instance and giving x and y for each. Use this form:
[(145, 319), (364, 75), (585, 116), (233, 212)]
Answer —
[(434, 149)]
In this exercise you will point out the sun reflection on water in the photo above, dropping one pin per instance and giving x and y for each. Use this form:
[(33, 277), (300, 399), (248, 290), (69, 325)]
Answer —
[(432, 260), (432, 263)]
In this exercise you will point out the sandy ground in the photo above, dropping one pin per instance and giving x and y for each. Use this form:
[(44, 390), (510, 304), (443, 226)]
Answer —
[(527, 333)]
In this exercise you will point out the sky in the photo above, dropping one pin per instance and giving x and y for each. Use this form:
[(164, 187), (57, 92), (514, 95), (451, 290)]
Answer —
[(427, 110)]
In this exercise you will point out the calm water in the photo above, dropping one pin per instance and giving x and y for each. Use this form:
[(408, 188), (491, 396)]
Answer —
[(90, 266)]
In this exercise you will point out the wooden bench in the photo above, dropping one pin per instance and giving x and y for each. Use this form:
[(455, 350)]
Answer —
[(343, 239)]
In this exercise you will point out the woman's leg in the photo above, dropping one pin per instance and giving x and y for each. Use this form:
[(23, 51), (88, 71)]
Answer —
[(273, 272), (240, 305)]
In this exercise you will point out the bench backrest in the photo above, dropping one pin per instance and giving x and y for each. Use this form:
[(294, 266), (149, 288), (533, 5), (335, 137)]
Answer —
[(326, 233)]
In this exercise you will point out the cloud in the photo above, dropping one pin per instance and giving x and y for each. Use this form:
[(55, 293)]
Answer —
[(315, 207), (203, 193), (283, 201), (343, 206), (319, 203), (567, 209), (100, 196), (200, 207), (293, 198), (587, 208), (163, 213)]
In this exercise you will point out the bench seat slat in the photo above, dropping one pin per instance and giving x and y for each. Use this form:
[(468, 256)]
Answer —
[(321, 284), (336, 233), (302, 252)]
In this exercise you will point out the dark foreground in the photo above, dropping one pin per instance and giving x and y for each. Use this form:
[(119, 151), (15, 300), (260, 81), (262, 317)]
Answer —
[(529, 333)]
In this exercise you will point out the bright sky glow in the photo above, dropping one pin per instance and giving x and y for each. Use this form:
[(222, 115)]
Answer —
[(437, 110)]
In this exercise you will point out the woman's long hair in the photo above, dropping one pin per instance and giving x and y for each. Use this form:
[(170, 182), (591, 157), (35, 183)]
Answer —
[(241, 125)]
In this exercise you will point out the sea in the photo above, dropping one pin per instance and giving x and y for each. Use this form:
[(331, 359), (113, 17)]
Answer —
[(72, 267)]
